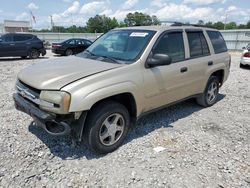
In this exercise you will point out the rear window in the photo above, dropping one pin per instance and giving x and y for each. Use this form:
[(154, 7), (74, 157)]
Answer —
[(218, 42), (197, 44)]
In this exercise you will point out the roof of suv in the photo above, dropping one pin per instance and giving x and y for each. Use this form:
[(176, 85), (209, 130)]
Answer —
[(165, 27)]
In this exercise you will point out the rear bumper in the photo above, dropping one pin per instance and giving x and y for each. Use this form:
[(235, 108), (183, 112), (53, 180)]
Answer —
[(44, 119), (57, 51), (245, 61)]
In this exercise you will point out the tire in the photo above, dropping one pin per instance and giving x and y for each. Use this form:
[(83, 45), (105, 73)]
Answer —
[(242, 66), (210, 95), (101, 133), (34, 54), (68, 52)]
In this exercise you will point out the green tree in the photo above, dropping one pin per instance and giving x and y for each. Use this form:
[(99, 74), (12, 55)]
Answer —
[(241, 26), (200, 22), (248, 25), (218, 25), (140, 19), (101, 24), (231, 25), (209, 24)]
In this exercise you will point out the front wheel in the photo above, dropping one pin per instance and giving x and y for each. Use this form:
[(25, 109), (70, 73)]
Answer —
[(210, 95), (106, 127)]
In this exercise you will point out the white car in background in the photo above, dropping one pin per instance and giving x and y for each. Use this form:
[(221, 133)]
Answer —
[(245, 57)]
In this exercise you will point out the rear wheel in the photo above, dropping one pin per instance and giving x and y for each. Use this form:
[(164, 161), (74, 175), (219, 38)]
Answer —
[(68, 52), (210, 95), (106, 127), (242, 66), (34, 54)]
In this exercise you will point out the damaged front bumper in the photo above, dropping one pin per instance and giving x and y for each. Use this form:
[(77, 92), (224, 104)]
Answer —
[(47, 121)]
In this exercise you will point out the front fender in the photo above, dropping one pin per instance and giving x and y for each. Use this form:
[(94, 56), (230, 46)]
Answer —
[(82, 100)]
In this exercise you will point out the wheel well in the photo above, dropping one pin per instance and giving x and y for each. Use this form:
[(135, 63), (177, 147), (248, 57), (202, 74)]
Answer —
[(126, 99), (220, 75)]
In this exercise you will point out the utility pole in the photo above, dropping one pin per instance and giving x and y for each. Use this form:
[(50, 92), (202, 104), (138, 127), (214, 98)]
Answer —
[(225, 20), (51, 22)]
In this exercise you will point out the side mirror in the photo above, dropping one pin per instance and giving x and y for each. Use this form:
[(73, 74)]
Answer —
[(243, 48), (158, 60)]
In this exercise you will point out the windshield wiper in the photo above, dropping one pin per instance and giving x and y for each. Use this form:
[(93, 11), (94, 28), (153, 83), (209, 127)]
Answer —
[(103, 56), (89, 52), (110, 58)]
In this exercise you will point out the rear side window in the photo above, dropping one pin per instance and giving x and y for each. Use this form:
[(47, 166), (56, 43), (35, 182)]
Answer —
[(218, 42), (197, 44), (18, 38), (172, 45)]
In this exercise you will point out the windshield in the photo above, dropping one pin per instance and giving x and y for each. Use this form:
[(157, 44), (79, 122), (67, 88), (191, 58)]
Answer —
[(123, 45)]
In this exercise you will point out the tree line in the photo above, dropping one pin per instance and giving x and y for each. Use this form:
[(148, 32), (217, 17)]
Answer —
[(103, 23)]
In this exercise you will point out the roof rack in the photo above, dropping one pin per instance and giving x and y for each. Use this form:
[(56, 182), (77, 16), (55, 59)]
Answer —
[(174, 23)]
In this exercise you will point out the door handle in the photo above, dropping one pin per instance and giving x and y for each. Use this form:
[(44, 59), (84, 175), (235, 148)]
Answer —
[(12, 44), (184, 69), (210, 63)]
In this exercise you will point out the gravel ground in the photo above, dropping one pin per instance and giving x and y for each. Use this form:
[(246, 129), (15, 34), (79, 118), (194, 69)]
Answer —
[(203, 147)]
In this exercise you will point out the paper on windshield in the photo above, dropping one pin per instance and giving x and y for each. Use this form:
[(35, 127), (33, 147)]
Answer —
[(138, 34)]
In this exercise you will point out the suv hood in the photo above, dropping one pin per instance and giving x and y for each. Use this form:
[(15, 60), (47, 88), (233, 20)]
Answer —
[(56, 73)]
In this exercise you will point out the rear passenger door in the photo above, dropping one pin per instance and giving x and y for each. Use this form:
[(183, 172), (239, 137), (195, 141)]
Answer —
[(220, 55), (198, 60), (79, 45)]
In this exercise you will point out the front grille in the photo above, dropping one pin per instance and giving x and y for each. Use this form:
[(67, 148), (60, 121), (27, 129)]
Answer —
[(31, 90), (28, 92)]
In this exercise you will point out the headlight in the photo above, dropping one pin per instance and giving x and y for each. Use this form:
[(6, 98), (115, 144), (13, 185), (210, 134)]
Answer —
[(59, 99)]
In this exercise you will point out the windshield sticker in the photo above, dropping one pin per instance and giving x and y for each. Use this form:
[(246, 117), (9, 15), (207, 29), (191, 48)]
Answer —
[(138, 34)]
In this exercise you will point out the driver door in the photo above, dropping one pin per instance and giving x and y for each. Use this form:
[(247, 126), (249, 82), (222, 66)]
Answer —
[(166, 84)]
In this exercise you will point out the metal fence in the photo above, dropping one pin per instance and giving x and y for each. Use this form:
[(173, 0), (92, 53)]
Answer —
[(235, 39)]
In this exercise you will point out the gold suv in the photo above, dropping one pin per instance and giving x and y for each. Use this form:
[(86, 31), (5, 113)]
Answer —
[(123, 75)]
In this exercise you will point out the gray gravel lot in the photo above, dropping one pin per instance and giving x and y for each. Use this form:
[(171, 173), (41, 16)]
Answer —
[(205, 147)]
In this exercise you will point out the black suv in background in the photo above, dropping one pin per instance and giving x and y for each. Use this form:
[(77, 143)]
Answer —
[(71, 46), (23, 45)]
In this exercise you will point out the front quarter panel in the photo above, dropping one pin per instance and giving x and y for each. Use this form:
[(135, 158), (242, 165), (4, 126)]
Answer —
[(86, 92)]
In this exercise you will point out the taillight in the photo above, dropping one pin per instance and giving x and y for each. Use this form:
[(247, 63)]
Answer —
[(247, 54), (56, 45)]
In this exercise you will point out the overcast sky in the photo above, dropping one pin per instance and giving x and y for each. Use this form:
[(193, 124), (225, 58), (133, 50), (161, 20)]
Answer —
[(66, 12)]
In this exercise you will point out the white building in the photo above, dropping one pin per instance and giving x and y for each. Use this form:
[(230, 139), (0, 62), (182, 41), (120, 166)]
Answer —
[(10, 26)]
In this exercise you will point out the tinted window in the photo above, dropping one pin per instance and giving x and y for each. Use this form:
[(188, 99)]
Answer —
[(18, 38), (197, 44), (87, 42), (172, 45), (79, 42), (7, 38), (72, 42), (217, 41)]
